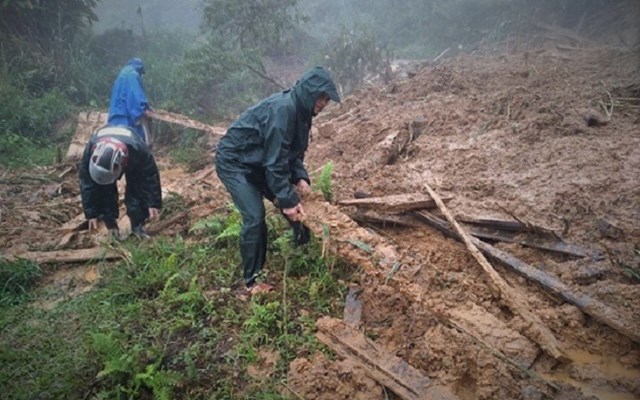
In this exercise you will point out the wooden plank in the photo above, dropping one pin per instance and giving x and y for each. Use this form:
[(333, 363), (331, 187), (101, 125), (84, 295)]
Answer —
[(501, 224), (87, 123), (535, 330), (533, 240), (601, 312), (391, 371), (382, 220), (396, 203), (66, 256)]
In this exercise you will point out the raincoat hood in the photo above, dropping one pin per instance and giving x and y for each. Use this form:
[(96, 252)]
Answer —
[(136, 64), (311, 85)]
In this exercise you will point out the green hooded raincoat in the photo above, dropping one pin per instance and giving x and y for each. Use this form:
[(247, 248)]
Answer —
[(262, 154)]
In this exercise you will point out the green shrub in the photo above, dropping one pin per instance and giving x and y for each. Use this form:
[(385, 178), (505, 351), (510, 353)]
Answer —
[(325, 182), (30, 126), (18, 278)]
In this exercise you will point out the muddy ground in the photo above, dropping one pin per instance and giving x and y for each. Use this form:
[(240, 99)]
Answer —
[(546, 133)]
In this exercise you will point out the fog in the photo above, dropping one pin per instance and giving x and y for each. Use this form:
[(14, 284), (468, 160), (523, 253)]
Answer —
[(408, 27), (150, 15)]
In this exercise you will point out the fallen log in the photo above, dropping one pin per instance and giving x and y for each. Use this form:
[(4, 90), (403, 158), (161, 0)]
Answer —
[(596, 309), (396, 203), (535, 328), (532, 240), (391, 371), (66, 256)]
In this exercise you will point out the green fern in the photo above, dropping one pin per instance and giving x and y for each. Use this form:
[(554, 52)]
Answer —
[(232, 226), (116, 360)]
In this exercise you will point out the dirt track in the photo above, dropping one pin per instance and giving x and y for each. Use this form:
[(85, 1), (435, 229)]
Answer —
[(524, 135)]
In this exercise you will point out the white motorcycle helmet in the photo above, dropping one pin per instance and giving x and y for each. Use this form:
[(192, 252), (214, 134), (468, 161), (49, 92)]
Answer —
[(108, 161)]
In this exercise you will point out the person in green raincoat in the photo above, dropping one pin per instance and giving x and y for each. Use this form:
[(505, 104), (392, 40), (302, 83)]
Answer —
[(262, 155)]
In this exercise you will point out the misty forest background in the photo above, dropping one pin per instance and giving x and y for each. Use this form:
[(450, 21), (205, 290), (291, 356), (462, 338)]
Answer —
[(209, 59)]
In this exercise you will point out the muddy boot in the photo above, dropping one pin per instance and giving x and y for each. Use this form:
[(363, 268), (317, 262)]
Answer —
[(140, 233)]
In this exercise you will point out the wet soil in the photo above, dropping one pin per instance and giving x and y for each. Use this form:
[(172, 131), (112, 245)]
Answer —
[(546, 134)]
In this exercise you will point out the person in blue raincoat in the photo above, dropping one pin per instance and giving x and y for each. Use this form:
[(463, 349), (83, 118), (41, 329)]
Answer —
[(129, 104), (262, 155)]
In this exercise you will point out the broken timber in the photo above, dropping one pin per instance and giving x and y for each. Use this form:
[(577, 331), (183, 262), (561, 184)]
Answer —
[(391, 371), (384, 220), (517, 232), (537, 331), (500, 224), (529, 240), (377, 258), (66, 256), (596, 309), (396, 203)]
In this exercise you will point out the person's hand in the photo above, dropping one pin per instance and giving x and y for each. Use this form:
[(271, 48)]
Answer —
[(154, 213), (294, 213), (93, 224), (303, 187)]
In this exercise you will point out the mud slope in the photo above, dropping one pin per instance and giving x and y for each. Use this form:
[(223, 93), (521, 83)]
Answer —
[(549, 137)]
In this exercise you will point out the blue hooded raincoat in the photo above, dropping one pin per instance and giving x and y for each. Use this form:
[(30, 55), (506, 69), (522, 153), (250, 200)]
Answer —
[(128, 100)]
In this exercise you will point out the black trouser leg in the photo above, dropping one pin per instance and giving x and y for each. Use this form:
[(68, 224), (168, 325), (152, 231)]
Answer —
[(253, 237), (109, 205), (135, 199)]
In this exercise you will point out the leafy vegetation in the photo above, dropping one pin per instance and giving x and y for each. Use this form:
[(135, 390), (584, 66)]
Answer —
[(168, 322), (325, 182)]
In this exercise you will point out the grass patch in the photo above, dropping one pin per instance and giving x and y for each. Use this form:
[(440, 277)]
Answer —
[(167, 323), (17, 277)]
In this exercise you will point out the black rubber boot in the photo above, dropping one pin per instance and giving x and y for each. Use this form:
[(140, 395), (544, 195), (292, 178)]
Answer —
[(140, 233)]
